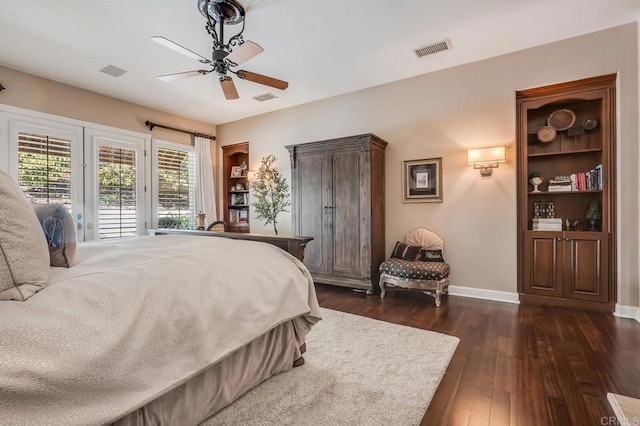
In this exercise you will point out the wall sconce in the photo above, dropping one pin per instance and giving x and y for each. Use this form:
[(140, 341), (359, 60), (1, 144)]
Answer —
[(487, 159)]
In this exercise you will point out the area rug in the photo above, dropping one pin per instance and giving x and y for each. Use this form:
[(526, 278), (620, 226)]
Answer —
[(358, 371)]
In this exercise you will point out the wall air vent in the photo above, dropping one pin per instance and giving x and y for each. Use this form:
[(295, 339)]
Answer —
[(433, 48), (266, 97), (113, 71)]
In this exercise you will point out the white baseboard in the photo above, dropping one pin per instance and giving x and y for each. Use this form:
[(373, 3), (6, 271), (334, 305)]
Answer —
[(481, 293), (624, 311)]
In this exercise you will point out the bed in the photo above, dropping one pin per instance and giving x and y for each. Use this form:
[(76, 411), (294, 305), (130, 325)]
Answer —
[(153, 330)]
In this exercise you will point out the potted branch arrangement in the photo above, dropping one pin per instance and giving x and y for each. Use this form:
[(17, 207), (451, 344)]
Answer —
[(593, 215), (271, 192)]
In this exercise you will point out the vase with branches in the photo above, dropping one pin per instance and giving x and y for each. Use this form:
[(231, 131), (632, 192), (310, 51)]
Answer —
[(270, 192)]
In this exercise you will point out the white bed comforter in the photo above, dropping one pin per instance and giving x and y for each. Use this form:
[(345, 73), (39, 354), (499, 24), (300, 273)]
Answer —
[(135, 317)]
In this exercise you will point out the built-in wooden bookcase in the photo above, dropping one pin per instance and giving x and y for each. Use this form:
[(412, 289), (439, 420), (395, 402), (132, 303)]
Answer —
[(235, 159), (574, 265)]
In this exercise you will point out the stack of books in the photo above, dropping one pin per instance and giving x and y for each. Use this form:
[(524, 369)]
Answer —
[(560, 184), (588, 181), (547, 224)]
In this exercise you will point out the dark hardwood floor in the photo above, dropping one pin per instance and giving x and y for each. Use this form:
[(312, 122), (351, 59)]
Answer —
[(515, 365)]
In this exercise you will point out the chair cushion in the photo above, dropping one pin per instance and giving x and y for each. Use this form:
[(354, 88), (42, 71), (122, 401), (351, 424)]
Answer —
[(415, 270), (405, 251)]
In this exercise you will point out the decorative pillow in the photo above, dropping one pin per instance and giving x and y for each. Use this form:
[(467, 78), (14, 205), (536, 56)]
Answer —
[(24, 257), (60, 230), (406, 252), (431, 255)]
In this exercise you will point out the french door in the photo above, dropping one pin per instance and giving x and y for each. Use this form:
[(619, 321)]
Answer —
[(99, 175), (115, 185), (46, 158)]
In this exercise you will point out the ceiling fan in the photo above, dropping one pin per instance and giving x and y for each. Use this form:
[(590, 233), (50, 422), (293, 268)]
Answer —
[(225, 56)]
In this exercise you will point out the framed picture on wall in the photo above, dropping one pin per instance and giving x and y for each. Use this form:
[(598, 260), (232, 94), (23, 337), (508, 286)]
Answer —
[(422, 181)]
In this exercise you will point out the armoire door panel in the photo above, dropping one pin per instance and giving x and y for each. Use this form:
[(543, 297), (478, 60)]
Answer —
[(587, 279), (310, 211), (345, 213), (543, 263)]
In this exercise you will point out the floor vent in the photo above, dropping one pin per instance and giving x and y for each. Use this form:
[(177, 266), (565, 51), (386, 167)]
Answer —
[(113, 71), (266, 97), (432, 48)]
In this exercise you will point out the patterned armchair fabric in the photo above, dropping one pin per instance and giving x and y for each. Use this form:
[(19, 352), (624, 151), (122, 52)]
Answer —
[(417, 270)]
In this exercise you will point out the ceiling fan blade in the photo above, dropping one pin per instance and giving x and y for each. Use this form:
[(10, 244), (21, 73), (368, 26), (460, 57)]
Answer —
[(179, 75), (228, 87), (174, 46), (244, 52), (262, 79)]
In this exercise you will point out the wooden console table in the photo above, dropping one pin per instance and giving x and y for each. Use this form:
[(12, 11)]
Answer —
[(292, 245)]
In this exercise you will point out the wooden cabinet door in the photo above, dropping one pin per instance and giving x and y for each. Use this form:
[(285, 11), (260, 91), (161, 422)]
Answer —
[(346, 214), (310, 213), (586, 271), (543, 263)]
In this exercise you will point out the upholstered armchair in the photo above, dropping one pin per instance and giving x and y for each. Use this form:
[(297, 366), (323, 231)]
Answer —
[(417, 264)]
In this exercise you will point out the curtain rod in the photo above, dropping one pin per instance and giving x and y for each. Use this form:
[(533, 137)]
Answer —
[(151, 125)]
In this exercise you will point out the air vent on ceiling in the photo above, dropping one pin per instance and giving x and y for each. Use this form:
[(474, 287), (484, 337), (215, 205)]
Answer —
[(113, 71), (266, 97), (433, 48)]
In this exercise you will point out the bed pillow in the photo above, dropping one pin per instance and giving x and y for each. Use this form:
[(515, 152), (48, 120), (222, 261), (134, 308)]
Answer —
[(431, 256), (60, 231), (24, 256), (406, 252)]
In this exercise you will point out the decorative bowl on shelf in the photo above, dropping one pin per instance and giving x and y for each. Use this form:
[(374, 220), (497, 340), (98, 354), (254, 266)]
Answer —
[(546, 134), (535, 182), (589, 124), (561, 119)]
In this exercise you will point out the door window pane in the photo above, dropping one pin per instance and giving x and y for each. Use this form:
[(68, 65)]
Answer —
[(44, 168), (176, 188), (117, 194)]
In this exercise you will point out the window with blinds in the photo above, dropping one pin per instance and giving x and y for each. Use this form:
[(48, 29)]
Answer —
[(176, 188), (117, 192), (44, 168)]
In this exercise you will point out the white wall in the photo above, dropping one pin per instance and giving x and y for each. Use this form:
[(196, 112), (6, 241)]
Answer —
[(444, 113)]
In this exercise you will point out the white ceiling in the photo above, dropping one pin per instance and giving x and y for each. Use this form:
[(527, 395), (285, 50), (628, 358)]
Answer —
[(322, 48)]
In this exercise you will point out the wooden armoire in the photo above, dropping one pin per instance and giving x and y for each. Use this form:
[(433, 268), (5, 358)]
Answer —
[(338, 199)]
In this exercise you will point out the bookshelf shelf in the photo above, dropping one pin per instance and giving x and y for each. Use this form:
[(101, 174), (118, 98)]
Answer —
[(567, 152)]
